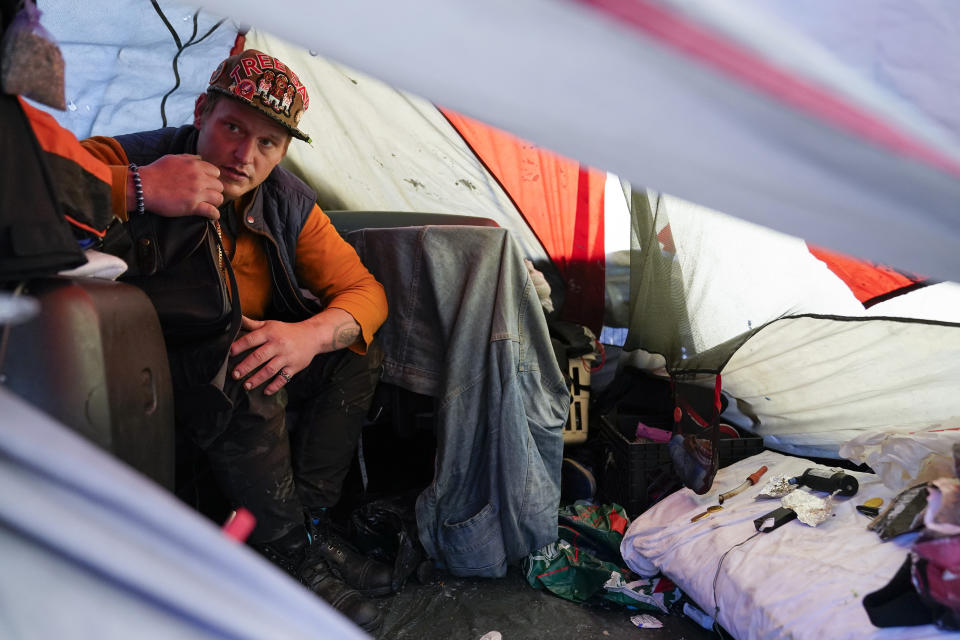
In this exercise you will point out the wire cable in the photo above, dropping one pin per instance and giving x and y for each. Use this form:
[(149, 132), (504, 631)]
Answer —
[(716, 576), (180, 49)]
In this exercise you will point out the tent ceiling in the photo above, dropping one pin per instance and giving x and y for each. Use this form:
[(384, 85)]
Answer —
[(621, 96)]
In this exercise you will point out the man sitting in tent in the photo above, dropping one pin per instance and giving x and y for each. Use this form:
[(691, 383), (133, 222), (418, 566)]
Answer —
[(317, 356)]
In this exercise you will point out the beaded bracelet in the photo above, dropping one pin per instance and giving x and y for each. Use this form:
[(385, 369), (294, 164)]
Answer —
[(137, 187)]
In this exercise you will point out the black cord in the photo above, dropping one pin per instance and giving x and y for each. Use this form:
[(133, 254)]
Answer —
[(173, 32), (716, 576), (180, 49)]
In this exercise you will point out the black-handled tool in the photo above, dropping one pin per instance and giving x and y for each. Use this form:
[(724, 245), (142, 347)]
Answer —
[(775, 519)]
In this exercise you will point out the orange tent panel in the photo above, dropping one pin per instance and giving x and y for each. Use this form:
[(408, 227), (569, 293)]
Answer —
[(562, 202)]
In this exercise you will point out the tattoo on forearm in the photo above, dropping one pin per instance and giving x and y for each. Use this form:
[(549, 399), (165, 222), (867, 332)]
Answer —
[(345, 335)]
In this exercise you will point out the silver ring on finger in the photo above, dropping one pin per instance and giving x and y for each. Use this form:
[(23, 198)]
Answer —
[(283, 374)]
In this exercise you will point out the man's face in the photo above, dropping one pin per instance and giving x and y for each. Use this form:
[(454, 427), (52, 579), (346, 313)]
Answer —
[(244, 144)]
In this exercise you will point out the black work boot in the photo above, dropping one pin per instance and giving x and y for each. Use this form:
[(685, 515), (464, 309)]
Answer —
[(292, 554), (288, 552), (366, 575), (316, 576)]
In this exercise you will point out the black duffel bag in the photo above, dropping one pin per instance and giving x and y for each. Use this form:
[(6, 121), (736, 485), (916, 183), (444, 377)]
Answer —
[(179, 263)]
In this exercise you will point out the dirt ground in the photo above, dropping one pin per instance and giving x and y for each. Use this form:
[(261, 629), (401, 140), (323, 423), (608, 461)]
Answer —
[(452, 608)]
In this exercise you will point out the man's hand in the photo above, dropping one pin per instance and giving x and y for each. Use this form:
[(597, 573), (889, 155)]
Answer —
[(283, 349), (180, 185)]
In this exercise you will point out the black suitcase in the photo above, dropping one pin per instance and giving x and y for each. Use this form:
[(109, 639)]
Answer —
[(94, 359)]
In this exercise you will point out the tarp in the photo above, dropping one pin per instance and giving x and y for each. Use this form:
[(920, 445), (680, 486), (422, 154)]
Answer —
[(93, 549)]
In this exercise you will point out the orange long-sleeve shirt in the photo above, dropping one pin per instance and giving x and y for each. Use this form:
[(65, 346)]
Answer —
[(325, 264)]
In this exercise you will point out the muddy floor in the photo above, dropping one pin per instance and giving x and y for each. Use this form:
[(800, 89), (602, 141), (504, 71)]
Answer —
[(452, 608)]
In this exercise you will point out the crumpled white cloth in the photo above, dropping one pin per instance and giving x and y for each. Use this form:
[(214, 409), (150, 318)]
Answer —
[(99, 265)]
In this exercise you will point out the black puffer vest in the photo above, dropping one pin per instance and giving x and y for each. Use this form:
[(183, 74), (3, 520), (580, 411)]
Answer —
[(279, 210)]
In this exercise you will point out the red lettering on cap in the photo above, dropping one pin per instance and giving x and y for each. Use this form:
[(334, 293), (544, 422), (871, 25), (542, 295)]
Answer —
[(265, 61), (235, 74), (249, 66)]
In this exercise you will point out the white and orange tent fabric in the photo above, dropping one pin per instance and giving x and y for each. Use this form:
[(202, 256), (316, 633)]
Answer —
[(838, 123), (729, 106), (836, 130)]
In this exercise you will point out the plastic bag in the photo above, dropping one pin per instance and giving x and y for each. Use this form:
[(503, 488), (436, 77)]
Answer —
[(904, 459), (584, 564), (386, 530), (694, 460), (31, 64)]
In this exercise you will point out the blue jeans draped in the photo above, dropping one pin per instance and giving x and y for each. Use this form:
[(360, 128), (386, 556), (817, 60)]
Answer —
[(467, 328)]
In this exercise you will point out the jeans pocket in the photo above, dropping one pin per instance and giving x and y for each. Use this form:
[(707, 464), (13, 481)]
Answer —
[(474, 547)]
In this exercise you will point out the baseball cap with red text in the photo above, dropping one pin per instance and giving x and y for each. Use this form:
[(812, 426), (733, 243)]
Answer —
[(266, 84)]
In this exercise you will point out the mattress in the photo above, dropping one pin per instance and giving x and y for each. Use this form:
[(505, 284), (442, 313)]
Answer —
[(797, 581)]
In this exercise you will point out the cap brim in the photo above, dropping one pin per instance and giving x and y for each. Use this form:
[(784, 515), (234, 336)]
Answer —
[(296, 133)]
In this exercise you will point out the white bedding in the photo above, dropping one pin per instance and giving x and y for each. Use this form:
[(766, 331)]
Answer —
[(797, 581)]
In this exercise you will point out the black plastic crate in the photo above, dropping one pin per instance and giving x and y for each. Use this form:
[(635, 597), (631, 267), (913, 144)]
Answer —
[(636, 475)]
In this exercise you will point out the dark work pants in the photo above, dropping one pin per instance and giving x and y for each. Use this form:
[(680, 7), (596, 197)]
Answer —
[(279, 455)]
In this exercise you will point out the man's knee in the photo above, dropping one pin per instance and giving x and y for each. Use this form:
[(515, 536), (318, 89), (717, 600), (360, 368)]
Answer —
[(343, 378), (373, 358), (357, 377)]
